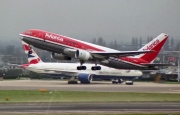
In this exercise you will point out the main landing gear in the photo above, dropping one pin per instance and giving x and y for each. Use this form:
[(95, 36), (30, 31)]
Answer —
[(92, 68), (81, 67), (72, 80), (96, 68)]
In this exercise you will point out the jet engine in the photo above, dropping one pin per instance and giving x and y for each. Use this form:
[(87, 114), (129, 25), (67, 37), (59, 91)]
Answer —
[(83, 55), (60, 56), (69, 52), (85, 78)]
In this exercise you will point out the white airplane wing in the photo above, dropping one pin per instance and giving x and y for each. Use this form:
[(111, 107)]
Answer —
[(70, 72)]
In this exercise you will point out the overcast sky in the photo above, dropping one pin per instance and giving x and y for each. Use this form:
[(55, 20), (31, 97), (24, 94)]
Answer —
[(87, 19)]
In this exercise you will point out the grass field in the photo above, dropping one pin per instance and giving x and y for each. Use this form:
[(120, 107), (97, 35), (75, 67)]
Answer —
[(93, 114), (7, 96)]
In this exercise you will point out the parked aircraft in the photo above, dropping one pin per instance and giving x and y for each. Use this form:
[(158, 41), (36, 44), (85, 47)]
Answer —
[(65, 48), (84, 76)]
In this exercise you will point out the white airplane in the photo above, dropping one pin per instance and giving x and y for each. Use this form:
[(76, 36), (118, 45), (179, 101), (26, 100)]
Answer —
[(65, 48), (69, 69)]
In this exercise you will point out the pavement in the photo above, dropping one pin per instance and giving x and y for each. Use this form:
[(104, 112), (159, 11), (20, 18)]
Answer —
[(95, 86), (82, 108), (89, 108)]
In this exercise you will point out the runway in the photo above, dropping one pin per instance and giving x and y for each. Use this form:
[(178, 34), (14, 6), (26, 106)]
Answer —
[(90, 108), (152, 107), (96, 86)]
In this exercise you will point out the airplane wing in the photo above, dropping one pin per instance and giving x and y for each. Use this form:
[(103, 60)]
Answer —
[(157, 64), (17, 65), (13, 64), (70, 72), (120, 53)]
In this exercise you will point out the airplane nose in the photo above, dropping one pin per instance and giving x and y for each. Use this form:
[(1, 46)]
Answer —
[(21, 36), (25, 33)]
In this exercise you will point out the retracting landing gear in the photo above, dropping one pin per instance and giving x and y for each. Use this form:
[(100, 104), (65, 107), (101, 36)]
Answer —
[(96, 68), (81, 67)]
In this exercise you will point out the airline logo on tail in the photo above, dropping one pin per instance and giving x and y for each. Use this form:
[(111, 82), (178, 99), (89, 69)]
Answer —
[(156, 45), (151, 46), (33, 58)]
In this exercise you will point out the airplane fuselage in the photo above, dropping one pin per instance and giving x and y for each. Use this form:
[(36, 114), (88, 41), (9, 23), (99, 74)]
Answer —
[(63, 45), (119, 63), (70, 69)]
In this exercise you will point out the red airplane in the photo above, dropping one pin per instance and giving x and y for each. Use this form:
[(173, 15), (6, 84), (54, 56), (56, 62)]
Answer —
[(65, 48)]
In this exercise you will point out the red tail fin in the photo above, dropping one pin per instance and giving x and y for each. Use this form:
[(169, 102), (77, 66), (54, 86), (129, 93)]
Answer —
[(156, 44)]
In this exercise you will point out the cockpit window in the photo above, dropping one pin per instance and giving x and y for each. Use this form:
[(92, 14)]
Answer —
[(28, 32)]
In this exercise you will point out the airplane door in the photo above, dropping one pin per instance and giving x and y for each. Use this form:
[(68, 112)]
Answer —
[(41, 36)]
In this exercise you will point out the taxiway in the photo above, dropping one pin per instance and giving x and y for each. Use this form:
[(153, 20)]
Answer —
[(95, 86)]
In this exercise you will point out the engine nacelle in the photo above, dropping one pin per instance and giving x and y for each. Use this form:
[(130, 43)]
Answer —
[(83, 55), (60, 56), (69, 52), (85, 78)]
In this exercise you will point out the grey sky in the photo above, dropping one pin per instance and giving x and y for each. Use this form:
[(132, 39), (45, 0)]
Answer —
[(86, 19)]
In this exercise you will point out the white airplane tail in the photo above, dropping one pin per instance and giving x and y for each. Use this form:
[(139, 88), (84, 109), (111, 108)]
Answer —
[(33, 58), (156, 44)]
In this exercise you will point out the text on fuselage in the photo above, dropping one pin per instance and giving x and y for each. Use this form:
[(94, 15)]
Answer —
[(53, 37)]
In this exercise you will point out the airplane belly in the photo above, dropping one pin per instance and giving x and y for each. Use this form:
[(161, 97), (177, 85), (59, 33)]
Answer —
[(121, 65), (44, 45)]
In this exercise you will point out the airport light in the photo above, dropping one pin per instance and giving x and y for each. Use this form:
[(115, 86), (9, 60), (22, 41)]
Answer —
[(178, 69)]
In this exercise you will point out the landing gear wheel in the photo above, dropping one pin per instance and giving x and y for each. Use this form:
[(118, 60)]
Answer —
[(93, 68), (72, 82), (96, 68), (78, 67), (81, 67), (129, 82)]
